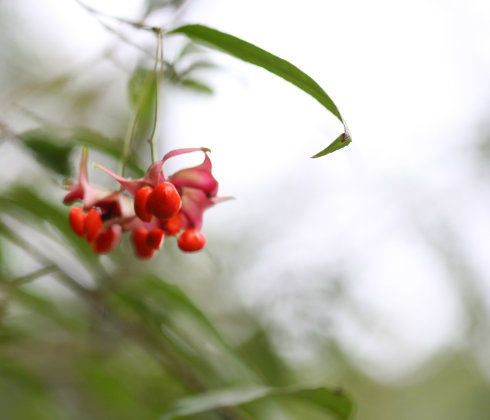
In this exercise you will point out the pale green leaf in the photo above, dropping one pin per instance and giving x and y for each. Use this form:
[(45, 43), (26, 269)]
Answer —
[(333, 402)]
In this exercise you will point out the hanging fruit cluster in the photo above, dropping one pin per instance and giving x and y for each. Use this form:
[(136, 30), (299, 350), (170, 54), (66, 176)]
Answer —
[(151, 208)]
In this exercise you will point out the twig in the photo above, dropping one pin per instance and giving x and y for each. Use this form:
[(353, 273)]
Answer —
[(135, 330), (156, 74), (20, 281), (134, 24)]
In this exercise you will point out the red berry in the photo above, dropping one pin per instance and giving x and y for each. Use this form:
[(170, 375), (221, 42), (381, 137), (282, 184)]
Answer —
[(154, 239), (191, 240), (174, 224), (105, 242), (164, 201), (141, 203), (139, 241), (77, 221), (93, 223)]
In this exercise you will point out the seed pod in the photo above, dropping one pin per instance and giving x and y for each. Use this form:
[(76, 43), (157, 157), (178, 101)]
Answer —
[(154, 239), (93, 223), (141, 204), (164, 202), (77, 221), (191, 240), (174, 224), (141, 248), (107, 239)]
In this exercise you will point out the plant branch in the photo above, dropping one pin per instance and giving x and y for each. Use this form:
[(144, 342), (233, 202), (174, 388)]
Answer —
[(98, 14), (133, 329), (20, 281)]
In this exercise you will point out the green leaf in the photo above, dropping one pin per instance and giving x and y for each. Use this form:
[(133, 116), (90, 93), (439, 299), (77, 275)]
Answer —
[(45, 307), (164, 298), (252, 54), (197, 86), (54, 151), (261, 356), (142, 87), (110, 146), (197, 65), (340, 142), (188, 49), (33, 208), (143, 91), (334, 402), (49, 151)]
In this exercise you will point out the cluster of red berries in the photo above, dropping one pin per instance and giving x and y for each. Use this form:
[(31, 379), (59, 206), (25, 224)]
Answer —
[(162, 202), (89, 226), (161, 207)]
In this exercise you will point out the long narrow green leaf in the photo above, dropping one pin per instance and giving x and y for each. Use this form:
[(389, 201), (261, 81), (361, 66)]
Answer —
[(334, 402), (252, 54)]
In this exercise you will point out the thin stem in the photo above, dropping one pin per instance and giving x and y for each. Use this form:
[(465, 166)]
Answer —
[(5, 131), (134, 24), (161, 73), (38, 255), (156, 76), (20, 281)]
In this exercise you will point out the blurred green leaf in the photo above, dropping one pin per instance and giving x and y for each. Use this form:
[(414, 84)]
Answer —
[(23, 203), (23, 394), (54, 150), (142, 87), (163, 299), (143, 91), (3, 260), (170, 315), (188, 49), (153, 5), (340, 142), (68, 319), (332, 402), (196, 86), (260, 355), (197, 65), (252, 54), (49, 150), (110, 146)]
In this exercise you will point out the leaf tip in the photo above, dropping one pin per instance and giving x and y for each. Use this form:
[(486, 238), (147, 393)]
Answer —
[(341, 141)]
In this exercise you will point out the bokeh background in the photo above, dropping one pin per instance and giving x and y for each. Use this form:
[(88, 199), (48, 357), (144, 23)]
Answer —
[(366, 269)]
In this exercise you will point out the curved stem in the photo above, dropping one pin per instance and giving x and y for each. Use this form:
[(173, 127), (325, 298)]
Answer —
[(158, 77), (27, 278), (134, 24)]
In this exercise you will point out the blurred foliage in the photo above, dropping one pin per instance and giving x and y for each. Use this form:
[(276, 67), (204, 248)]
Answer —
[(55, 155), (90, 337), (101, 338), (185, 69)]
